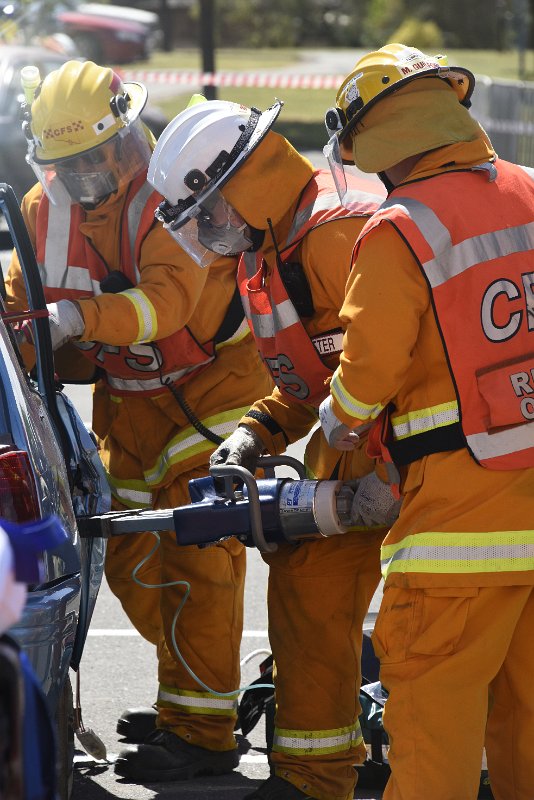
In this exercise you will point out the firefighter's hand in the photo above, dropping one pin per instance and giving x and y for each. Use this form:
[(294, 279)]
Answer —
[(337, 434), (242, 448), (373, 504), (65, 321)]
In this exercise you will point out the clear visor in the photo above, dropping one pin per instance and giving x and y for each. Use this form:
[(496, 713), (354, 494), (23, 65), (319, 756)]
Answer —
[(332, 153), (213, 228), (90, 177)]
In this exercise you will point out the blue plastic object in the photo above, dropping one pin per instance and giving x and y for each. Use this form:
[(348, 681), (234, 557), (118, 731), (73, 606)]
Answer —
[(28, 541)]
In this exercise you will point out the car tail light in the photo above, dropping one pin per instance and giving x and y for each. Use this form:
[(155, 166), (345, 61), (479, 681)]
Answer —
[(18, 492)]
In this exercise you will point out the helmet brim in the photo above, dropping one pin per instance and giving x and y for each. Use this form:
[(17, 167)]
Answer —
[(138, 98), (264, 124)]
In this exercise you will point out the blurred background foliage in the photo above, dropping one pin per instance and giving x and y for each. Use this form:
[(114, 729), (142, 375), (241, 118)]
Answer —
[(487, 24)]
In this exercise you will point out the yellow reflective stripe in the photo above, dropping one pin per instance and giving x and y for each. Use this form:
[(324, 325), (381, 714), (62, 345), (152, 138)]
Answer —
[(189, 442), (440, 553), (241, 333), (196, 702), (301, 743), (425, 419), (131, 493), (350, 404), (146, 315)]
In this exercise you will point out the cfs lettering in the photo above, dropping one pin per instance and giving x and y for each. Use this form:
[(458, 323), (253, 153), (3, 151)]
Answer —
[(138, 357), (506, 306), (285, 379)]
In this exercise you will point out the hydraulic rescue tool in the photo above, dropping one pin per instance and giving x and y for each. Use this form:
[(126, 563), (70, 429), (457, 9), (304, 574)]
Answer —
[(260, 512)]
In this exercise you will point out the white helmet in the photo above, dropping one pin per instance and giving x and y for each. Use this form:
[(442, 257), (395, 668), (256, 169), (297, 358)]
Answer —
[(197, 153)]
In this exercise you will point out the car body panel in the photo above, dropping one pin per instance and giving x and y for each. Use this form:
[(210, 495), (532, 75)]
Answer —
[(38, 418)]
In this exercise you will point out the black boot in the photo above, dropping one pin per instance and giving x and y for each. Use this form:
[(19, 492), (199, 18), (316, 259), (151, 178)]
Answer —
[(275, 788), (135, 724), (166, 757)]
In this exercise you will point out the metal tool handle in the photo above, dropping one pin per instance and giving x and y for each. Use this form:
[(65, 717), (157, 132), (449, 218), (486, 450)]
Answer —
[(268, 463), (230, 471)]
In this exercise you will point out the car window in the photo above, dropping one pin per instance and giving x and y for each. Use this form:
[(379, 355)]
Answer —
[(10, 88)]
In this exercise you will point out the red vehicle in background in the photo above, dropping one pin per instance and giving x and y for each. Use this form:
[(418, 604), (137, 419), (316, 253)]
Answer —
[(105, 38), (103, 33)]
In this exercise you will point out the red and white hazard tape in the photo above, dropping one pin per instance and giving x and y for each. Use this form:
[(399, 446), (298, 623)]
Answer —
[(251, 79)]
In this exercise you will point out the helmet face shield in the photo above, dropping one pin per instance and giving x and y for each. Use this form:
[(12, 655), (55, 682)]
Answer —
[(212, 228), (332, 153), (90, 177)]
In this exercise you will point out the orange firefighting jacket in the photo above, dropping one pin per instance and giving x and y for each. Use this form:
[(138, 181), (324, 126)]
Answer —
[(147, 441), (460, 524), (268, 187), (474, 261), (296, 360), (71, 268)]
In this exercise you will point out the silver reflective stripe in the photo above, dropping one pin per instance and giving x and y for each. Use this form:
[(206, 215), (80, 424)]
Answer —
[(501, 443), (283, 315), (132, 496), (135, 211), (322, 203), (316, 742), (124, 384), (362, 202), (197, 701), (529, 171), (357, 201), (450, 260), (186, 446), (432, 229), (57, 244), (55, 272), (425, 420), (249, 260), (146, 315), (460, 552), (478, 250), (351, 405), (494, 552), (246, 305), (310, 743)]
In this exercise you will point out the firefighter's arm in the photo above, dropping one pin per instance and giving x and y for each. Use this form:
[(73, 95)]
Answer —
[(385, 299), (162, 302)]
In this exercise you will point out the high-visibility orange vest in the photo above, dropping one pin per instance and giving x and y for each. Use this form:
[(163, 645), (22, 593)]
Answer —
[(472, 233), (295, 360), (72, 269)]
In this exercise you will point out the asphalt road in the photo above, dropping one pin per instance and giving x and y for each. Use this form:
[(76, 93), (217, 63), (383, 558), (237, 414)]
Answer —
[(119, 670)]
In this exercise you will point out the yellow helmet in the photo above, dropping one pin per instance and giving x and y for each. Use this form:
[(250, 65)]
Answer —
[(382, 72), (79, 106), (87, 139)]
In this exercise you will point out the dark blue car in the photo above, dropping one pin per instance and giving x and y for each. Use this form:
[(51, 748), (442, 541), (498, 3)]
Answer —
[(49, 465)]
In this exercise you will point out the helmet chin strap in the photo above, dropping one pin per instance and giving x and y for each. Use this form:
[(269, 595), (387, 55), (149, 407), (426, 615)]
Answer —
[(257, 237), (386, 181)]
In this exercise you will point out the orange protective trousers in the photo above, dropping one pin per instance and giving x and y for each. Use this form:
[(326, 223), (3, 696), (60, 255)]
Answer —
[(458, 664), (217, 578), (319, 594)]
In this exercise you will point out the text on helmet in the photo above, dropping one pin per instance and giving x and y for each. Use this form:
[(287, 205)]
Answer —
[(73, 127), (417, 66)]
